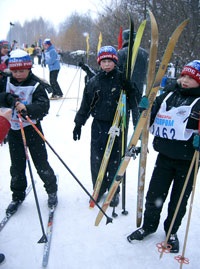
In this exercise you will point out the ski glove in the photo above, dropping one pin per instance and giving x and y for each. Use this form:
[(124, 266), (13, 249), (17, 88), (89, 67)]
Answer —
[(11, 99), (77, 132), (196, 142), (144, 104)]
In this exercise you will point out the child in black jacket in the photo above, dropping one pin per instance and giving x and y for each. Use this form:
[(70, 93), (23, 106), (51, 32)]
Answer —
[(100, 100), (26, 94), (174, 126)]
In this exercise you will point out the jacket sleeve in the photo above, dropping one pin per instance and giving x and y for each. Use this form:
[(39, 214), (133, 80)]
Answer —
[(86, 105), (3, 102), (39, 107)]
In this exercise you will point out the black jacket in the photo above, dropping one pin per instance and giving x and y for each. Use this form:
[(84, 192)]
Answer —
[(101, 95), (138, 78), (177, 149)]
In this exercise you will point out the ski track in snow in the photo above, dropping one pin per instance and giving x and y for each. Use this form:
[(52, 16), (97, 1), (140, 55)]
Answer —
[(76, 242)]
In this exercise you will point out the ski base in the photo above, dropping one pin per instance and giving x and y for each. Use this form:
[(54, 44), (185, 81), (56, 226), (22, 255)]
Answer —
[(49, 236)]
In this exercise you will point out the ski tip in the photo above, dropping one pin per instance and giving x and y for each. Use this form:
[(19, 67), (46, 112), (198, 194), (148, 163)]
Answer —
[(183, 24), (91, 206), (97, 221), (99, 218)]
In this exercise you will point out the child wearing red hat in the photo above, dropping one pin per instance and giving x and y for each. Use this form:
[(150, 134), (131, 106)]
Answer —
[(26, 93), (100, 99), (174, 124)]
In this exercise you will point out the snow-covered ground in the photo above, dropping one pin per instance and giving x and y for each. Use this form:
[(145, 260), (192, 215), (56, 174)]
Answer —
[(76, 242)]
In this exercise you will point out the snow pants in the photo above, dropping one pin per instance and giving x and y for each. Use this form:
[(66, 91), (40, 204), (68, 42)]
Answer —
[(37, 149), (54, 83), (167, 171), (99, 137)]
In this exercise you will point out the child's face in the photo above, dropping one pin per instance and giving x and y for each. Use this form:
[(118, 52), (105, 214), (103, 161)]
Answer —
[(20, 75), (188, 82), (4, 50), (107, 65)]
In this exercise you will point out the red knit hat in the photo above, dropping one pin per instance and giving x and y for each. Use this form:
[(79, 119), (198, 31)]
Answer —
[(4, 44), (192, 69), (19, 59), (107, 52)]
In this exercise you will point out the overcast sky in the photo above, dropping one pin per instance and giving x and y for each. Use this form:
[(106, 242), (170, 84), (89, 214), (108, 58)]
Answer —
[(55, 11)]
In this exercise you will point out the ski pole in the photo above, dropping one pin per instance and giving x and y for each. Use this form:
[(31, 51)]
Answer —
[(69, 170), (43, 239), (124, 145), (79, 84), (57, 114), (180, 258)]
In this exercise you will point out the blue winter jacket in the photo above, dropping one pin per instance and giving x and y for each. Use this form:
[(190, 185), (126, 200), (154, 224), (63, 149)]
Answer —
[(52, 59)]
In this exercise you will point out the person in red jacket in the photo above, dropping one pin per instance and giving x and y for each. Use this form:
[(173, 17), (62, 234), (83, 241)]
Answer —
[(5, 117)]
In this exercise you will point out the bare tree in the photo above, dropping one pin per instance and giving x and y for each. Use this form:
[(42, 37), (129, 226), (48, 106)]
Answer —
[(114, 13)]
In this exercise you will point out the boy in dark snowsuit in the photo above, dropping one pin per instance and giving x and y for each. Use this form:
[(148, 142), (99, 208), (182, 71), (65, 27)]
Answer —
[(100, 99), (175, 130), (24, 93), (138, 78)]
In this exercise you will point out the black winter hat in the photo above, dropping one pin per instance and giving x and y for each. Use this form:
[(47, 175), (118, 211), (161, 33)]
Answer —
[(126, 33)]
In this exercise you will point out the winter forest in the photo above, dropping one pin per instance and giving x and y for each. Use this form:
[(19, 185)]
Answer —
[(111, 15)]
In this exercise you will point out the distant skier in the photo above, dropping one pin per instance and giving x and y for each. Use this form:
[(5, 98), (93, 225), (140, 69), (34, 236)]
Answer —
[(53, 62)]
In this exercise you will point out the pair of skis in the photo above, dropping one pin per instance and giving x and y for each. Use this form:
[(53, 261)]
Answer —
[(145, 132), (119, 114), (113, 132), (130, 152)]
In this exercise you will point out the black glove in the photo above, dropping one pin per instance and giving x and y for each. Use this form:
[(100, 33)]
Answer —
[(24, 114), (84, 67), (11, 99), (80, 64), (77, 132)]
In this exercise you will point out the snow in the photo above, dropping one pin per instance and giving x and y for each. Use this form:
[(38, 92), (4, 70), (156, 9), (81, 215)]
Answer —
[(76, 241)]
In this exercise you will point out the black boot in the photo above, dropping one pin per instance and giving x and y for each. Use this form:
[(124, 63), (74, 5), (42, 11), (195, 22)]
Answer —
[(115, 200), (174, 243), (139, 234), (13, 206), (52, 200), (2, 258)]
